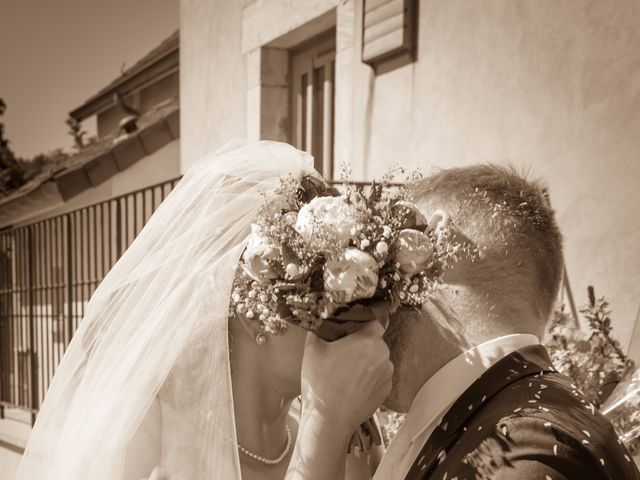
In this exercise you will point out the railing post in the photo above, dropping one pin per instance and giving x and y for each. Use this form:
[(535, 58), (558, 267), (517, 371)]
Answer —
[(70, 233), (4, 327), (33, 359), (118, 230)]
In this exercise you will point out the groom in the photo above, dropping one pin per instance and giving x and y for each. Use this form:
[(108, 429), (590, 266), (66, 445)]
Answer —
[(483, 399)]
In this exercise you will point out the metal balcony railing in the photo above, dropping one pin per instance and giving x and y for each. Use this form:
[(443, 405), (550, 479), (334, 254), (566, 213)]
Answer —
[(48, 271)]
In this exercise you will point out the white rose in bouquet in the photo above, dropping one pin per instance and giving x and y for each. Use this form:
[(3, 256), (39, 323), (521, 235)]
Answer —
[(352, 277), (413, 251), (411, 213), (327, 221), (257, 256)]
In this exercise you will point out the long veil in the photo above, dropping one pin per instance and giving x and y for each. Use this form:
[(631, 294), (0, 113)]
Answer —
[(156, 330)]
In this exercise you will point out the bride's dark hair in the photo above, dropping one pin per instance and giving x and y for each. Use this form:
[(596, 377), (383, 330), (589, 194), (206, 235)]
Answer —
[(313, 186)]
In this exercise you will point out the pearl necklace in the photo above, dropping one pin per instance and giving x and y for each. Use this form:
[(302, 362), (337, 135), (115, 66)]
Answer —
[(268, 461)]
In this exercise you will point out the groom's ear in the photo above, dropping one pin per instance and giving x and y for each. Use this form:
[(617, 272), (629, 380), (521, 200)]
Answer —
[(439, 221), (441, 225)]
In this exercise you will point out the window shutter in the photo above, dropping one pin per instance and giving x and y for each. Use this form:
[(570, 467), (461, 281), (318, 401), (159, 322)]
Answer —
[(388, 29)]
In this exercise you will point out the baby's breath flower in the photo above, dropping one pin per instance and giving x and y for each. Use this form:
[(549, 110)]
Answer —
[(290, 218), (382, 248), (292, 270)]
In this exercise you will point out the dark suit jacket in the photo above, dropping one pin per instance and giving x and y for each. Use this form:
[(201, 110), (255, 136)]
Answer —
[(522, 420)]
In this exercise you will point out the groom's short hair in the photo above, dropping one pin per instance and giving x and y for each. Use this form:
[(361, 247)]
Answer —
[(509, 218)]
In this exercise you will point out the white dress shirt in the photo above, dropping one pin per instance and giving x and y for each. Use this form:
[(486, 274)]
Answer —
[(437, 395)]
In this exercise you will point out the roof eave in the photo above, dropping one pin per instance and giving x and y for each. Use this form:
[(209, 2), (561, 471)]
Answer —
[(123, 153), (166, 64)]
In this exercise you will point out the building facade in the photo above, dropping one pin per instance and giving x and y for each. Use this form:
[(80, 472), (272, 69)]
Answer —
[(550, 88)]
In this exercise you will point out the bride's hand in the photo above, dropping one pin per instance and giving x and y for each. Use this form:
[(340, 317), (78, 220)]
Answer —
[(343, 382)]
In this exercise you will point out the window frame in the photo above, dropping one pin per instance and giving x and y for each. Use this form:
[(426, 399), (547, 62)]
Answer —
[(312, 102)]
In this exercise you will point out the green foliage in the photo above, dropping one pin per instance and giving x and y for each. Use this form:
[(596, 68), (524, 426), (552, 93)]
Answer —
[(593, 359), (11, 175), (15, 171), (599, 368), (76, 132)]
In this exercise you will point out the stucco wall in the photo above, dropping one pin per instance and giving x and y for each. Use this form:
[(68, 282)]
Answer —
[(277, 22), (212, 76), (551, 87)]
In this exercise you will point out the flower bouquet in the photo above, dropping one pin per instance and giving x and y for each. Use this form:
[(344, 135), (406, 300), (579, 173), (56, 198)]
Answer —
[(329, 261)]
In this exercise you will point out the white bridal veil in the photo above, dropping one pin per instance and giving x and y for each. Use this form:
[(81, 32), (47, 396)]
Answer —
[(155, 331)]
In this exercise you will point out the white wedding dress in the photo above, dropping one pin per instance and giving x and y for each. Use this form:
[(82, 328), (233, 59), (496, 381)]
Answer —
[(155, 334)]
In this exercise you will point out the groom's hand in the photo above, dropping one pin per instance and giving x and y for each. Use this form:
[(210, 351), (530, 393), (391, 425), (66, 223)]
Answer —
[(343, 382)]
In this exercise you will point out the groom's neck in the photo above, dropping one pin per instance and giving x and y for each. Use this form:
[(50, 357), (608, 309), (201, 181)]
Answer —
[(441, 334), (414, 368), (441, 351), (444, 345)]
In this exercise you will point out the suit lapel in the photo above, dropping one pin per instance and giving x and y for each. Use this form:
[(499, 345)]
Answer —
[(528, 361)]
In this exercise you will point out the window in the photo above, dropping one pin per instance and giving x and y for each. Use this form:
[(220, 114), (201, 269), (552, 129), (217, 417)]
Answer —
[(389, 32), (312, 99)]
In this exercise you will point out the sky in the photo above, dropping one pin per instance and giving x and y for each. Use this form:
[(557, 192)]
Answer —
[(55, 54)]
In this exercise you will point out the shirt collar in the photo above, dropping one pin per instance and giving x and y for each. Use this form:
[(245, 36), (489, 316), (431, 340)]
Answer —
[(456, 376)]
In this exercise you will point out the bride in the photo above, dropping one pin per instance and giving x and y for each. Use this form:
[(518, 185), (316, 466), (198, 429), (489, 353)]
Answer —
[(158, 377)]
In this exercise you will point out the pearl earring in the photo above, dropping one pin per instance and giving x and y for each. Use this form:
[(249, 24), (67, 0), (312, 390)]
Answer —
[(261, 338)]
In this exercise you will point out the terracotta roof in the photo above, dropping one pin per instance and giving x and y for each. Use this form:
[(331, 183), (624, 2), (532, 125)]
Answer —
[(110, 154), (164, 58)]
